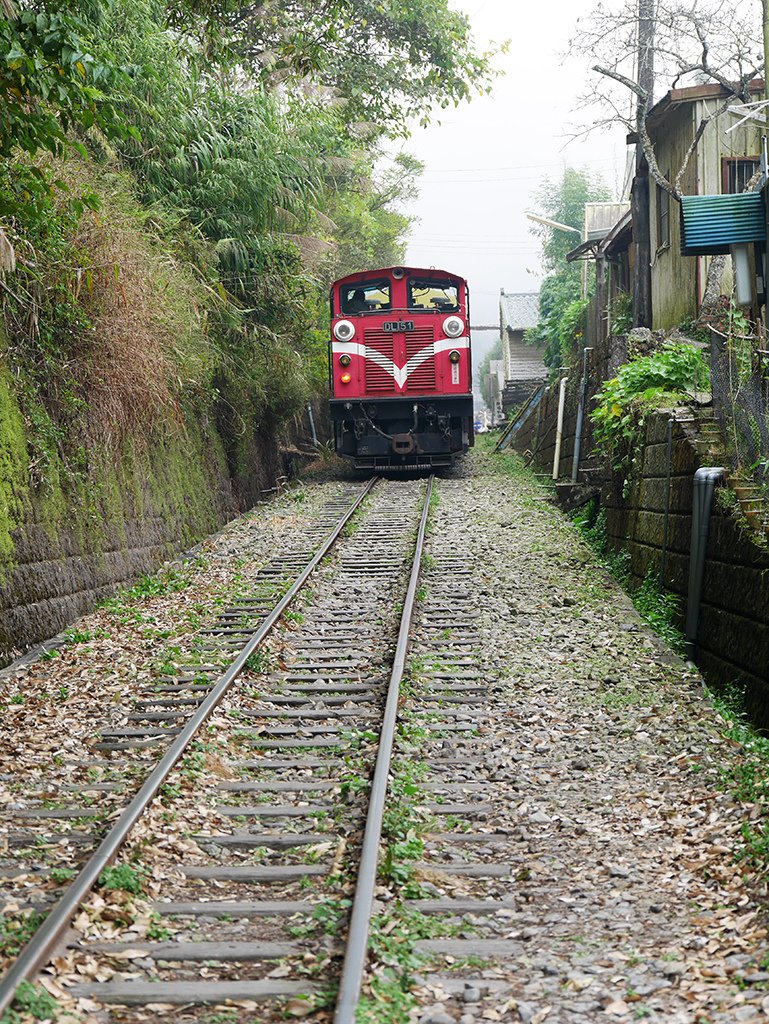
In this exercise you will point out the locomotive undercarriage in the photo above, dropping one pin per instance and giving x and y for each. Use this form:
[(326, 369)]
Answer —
[(413, 433)]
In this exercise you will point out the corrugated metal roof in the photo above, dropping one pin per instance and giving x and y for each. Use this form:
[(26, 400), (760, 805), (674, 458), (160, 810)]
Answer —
[(519, 310), (711, 224)]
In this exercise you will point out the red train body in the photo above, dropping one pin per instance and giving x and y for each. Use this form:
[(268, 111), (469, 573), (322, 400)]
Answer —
[(400, 368)]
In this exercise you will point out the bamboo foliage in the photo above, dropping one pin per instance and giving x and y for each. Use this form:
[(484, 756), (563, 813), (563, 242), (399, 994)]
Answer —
[(253, 175)]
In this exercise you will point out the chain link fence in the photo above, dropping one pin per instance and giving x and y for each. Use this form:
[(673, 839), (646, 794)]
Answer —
[(739, 374)]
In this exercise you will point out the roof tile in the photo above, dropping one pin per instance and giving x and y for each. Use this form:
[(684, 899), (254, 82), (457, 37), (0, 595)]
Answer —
[(519, 310)]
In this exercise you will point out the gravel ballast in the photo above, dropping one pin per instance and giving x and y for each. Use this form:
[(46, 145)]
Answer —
[(603, 760), (587, 751)]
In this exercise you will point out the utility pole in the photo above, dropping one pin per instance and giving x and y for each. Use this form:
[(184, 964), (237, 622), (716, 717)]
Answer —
[(639, 193), (765, 5)]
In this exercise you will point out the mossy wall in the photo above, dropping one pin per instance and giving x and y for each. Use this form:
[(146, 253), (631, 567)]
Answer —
[(68, 546), (69, 542), (13, 465), (114, 450)]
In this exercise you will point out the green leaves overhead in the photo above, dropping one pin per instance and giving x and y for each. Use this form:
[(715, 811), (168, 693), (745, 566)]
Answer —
[(252, 134), (389, 60), (50, 82), (53, 87)]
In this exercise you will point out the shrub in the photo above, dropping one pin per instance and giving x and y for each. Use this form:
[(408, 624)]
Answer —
[(622, 313), (642, 385), (571, 329)]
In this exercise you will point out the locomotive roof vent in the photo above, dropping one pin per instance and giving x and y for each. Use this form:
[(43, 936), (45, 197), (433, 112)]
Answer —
[(399, 273)]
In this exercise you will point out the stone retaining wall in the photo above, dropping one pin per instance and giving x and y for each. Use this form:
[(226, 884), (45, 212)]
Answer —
[(72, 549), (733, 641)]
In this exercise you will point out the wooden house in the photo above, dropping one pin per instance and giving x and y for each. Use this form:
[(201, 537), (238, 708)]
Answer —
[(523, 365), (723, 161)]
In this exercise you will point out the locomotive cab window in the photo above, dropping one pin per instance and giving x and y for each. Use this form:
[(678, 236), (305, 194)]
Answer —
[(438, 296), (365, 296)]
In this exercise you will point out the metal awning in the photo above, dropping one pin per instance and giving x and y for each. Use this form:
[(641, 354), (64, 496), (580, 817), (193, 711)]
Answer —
[(710, 225)]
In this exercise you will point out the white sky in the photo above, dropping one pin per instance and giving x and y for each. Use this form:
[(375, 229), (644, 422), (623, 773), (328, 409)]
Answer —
[(485, 159)]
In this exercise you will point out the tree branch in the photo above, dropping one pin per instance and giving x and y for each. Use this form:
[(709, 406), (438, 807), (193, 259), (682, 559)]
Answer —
[(627, 82), (695, 142), (643, 135)]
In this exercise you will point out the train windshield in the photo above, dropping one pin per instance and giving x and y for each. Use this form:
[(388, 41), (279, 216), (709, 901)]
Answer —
[(440, 296), (365, 296)]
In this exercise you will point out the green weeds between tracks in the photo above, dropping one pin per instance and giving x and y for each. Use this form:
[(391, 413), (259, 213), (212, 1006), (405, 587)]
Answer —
[(16, 929), (397, 927), (123, 877), (32, 1002), (391, 942)]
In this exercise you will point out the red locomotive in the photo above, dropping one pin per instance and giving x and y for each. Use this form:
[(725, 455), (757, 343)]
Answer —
[(400, 368)]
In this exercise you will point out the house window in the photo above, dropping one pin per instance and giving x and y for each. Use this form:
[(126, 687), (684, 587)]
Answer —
[(663, 216), (736, 172)]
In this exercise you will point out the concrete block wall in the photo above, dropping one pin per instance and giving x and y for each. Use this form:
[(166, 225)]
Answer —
[(733, 636), (733, 639)]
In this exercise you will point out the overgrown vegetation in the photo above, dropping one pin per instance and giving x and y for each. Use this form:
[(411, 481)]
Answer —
[(643, 385), (180, 182), (746, 778), (122, 877), (622, 313), (16, 929), (30, 1001), (561, 306)]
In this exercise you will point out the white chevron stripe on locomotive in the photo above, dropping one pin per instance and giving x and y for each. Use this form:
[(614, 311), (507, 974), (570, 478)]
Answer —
[(400, 374)]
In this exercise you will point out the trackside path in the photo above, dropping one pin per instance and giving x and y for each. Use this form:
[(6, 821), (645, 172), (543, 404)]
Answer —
[(601, 760)]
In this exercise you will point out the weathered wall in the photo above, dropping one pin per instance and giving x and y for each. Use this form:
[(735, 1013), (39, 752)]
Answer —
[(733, 638), (674, 277), (72, 537), (678, 281), (733, 641)]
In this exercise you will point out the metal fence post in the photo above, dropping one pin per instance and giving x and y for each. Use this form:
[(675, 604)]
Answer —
[(580, 417)]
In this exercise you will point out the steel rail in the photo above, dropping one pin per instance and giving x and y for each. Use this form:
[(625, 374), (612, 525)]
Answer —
[(356, 951), (40, 948)]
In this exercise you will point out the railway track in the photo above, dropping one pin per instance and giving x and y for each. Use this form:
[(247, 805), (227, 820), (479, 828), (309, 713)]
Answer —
[(299, 789)]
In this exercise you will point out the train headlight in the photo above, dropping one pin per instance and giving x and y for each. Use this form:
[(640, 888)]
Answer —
[(345, 378), (454, 356), (453, 327), (345, 359), (344, 330)]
